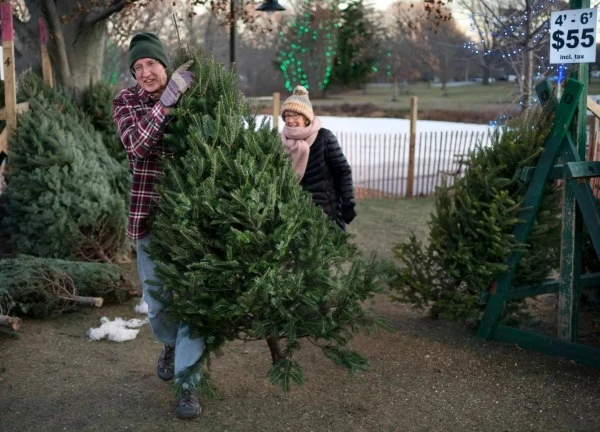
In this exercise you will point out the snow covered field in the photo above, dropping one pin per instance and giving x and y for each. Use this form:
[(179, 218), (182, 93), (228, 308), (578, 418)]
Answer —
[(390, 125), (377, 149)]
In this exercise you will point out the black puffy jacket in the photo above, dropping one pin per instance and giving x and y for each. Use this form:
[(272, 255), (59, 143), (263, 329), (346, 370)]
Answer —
[(328, 178)]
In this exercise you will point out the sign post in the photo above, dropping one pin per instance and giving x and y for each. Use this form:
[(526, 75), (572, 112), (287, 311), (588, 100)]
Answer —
[(573, 36), (573, 40), (8, 50)]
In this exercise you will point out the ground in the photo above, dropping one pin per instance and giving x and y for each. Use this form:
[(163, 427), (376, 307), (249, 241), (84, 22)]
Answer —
[(426, 375)]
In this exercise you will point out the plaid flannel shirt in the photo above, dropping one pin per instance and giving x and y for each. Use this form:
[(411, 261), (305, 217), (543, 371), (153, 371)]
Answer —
[(140, 122)]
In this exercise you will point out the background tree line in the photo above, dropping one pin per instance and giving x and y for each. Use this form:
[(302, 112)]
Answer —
[(341, 44)]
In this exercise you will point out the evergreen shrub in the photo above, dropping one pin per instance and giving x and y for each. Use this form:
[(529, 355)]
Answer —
[(37, 287), (242, 250), (31, 86), (471, 228), (97, 104), (65, 195)]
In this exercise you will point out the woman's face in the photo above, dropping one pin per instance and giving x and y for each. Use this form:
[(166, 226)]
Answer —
[(294, 119)]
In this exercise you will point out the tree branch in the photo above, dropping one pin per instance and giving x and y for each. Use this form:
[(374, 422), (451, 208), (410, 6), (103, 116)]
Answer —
[(55, 30), (96, 16)]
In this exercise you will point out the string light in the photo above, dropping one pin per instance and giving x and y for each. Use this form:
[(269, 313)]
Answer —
[(510, 31), (312, 48)]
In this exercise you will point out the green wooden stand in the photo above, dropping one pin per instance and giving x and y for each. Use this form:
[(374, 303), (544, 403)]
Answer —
[(579, 207)]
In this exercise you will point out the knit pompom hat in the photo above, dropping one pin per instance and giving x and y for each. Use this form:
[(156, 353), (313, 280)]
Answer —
[(146, 45), (298, 102)]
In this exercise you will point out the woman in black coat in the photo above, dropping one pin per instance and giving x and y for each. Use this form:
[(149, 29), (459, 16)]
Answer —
[(318, 159)]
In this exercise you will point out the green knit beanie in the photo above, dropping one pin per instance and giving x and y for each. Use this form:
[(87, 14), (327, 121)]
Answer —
[(146, 45)]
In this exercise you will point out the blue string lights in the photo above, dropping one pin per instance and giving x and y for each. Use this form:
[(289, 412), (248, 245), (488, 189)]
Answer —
[(509, 33)]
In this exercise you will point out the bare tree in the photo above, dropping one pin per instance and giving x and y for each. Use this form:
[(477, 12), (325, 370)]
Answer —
[(485, 41), (410, 32), (447, 44), (516, 31), (78, 30)]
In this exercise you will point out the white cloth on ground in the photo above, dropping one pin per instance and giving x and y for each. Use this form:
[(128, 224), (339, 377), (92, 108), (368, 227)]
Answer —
[(117, 330)]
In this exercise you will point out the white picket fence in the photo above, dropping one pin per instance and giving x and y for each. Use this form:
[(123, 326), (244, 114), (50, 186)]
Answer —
[(380, 161)]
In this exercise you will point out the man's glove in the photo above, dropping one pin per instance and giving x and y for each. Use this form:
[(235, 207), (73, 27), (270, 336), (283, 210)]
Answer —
[(348, 213), (180, 81)]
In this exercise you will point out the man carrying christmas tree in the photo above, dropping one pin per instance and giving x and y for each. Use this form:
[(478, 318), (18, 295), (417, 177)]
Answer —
[(141, 114)]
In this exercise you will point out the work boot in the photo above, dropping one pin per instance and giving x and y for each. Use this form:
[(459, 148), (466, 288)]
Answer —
[(188, 405), (165, 367)]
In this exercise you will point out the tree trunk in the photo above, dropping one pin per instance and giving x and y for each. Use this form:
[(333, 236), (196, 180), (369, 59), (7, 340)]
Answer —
[(487, 73), (85, 57), (81, 300), (527, 79), (276, 353), (77, 35), (527, 59), (56, 45)]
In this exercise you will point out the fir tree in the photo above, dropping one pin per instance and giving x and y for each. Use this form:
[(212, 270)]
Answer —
[(309, 46), (471, 229), (241, 248), (356, 46), (40, 287), (31, 86), (65, 194), (97, 104)]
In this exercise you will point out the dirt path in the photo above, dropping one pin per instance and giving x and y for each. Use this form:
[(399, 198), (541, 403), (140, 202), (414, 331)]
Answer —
[(426, 376)]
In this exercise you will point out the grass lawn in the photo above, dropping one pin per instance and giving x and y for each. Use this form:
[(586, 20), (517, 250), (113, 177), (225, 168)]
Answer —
[(460, 98), (381, 224)]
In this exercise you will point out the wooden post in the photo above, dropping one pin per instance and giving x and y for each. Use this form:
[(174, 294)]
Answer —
[(46, 64), (593, 152), (533, 198), (276, 110), (8, 49), (569, 291), (411, 148), (591, 149)]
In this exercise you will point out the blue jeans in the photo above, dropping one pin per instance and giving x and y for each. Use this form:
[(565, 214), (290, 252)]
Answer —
[(188, 351)]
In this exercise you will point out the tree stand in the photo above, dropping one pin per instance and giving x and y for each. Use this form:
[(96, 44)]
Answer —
[(579, 207)]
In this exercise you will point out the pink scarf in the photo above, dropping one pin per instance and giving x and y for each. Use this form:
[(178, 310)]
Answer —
[(297, 142)]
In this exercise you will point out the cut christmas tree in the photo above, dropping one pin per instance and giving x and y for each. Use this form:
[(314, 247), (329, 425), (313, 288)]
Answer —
[(41, 287), (471, 230), (241, 249), (65, 196)]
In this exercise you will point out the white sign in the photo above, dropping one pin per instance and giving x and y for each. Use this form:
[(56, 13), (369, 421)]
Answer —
[(573, 36)]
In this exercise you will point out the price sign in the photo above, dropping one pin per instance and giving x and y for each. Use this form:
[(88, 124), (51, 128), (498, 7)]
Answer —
[(573, 36)]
